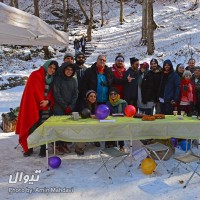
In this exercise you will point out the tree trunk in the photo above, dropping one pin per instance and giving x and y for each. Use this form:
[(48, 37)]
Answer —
[(36, 8), (89, 30), (150, 37), (121, 18), (102, 19), (12, 3), (16, 3), (144, 23), (84, 13), (64, 16), (47, 54)]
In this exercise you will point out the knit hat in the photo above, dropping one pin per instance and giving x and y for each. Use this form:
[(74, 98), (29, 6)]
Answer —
[(68, 55), (154, 60), (119, 57), (144, 65), (89, 92), (187, 72), (113, 89), (78, 54), (196, 68), (133, 60)]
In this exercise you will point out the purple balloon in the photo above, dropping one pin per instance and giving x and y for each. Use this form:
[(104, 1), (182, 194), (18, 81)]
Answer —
[(174, 141), (102, 111), (54, 162)]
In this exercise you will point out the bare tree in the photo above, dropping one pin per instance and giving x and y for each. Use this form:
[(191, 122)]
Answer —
[(64, 16), (102, 19), (12, 3), (144, 23), (16, 3), (84, 13), (121, 18), (89, 30), (150, 37), (36, 8)]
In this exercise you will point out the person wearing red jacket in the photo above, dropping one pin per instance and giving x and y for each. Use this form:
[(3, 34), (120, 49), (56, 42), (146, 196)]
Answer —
[(187, 94), (36, 104), (118, 70)]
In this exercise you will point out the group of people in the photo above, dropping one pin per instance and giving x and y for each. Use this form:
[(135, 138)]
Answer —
[(53, 90), (80, 44)]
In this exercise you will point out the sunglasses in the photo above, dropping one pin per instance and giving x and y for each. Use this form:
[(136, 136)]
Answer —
[(113, 93)]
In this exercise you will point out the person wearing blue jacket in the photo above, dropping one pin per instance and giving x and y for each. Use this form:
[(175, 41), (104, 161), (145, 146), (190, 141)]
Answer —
[(169, 92)]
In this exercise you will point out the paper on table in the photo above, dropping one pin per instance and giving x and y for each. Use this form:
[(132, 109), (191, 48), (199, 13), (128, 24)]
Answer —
[(107, 120)]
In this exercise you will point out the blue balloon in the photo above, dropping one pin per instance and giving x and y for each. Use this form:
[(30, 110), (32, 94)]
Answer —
[(54, 162), (183, 145), (102, 111)]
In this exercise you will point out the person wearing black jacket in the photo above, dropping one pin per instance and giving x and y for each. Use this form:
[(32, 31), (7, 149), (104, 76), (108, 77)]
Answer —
[(150, 84), (131, 87), (99, 78)]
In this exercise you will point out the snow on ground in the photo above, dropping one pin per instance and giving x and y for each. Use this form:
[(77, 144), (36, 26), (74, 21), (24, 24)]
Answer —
[(178, 36)]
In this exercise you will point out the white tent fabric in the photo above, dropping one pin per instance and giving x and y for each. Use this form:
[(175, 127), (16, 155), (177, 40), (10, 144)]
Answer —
[(20, 28)]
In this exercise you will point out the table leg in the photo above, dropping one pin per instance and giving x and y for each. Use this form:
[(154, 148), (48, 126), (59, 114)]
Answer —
[(47, 156)]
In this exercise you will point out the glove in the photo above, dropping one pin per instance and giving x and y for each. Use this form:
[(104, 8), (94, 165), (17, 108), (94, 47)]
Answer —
[(68, 111)]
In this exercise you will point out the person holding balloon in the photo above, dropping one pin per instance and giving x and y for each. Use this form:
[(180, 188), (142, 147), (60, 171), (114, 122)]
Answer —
[(116, 105), (87, 109)]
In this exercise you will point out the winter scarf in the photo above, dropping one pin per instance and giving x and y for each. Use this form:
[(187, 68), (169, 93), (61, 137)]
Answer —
[(117, 102)]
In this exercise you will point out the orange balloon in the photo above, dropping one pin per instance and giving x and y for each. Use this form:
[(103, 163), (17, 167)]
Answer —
[(148, 166), (130, 111)]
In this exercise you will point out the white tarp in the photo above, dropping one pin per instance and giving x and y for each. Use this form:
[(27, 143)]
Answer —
[(20, 28)]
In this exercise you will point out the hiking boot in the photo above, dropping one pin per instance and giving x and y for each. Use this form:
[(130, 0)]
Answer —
[(42, 153), (28, 153), (97, 144), (59, 150), (79, 151), (66, 148), (121, 148), (110, 144)]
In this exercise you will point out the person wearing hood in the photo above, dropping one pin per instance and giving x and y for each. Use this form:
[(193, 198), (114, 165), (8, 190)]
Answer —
[(187, 94), (180, 69), (196, 82), (65, 94), (36, 104), (169, 91), (65, 90), (150, 87)]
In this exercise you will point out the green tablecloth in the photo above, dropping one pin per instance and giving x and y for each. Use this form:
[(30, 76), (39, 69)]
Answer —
[(90, 130)]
